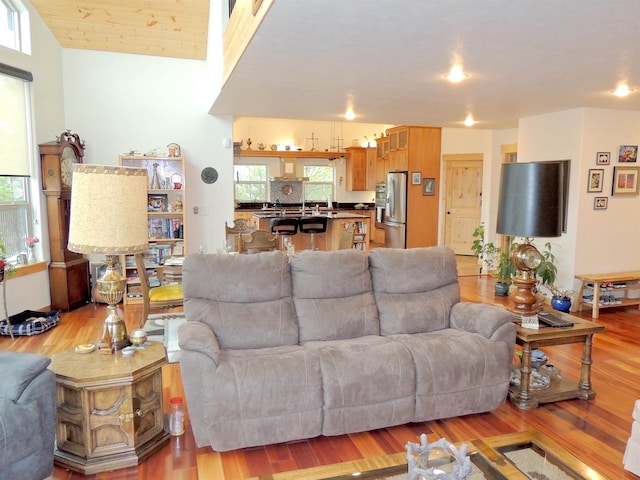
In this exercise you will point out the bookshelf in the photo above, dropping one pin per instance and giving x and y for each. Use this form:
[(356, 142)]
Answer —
[(166, 222)]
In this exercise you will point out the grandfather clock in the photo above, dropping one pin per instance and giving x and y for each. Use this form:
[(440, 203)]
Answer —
[(68, 271)]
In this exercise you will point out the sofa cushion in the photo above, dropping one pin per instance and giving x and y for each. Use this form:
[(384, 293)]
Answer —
[(257, 397), (414, 289), (245, 299), (333, 295), (368, 383), (457, 373)]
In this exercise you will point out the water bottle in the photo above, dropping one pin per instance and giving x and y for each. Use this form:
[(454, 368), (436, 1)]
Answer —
[(176, 416)]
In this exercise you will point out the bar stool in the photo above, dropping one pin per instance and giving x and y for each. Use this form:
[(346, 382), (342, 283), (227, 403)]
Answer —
[(283, 226), (314, 224)]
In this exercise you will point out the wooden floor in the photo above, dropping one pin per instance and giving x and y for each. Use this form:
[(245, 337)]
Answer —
[(595, 431)]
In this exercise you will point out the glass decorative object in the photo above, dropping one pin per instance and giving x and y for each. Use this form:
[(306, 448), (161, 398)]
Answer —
[(155, 178), (424, 466)]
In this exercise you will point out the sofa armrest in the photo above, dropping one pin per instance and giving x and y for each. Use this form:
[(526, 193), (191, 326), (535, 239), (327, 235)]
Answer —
[(18, 371), (491, 321), (198, 337)]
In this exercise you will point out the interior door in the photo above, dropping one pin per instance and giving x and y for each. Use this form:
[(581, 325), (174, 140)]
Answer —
[(463, 199)]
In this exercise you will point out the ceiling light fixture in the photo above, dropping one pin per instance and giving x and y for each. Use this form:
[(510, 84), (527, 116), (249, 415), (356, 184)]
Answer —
[(622, 90), (456, 74), (349, 115), (469, 121)]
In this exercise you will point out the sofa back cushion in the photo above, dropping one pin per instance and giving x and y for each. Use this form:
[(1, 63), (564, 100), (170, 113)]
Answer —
[(333, 295), (414, 288), (245, 299)]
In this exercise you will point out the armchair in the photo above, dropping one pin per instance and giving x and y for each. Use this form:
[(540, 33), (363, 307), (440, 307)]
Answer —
[(27, 416)]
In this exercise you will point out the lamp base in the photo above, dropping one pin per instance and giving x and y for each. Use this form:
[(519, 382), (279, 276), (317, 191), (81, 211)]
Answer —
[(523, 300)]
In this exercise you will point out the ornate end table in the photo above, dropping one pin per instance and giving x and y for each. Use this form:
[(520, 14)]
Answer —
[(110, 412)]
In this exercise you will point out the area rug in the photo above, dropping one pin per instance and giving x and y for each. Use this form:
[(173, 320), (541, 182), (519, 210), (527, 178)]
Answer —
[(163, 327)]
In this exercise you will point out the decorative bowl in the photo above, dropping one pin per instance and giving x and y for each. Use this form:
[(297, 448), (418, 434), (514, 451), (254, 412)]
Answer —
[(137, 337)]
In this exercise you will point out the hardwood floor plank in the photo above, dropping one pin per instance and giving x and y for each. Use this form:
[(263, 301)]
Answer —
[(595, 431)]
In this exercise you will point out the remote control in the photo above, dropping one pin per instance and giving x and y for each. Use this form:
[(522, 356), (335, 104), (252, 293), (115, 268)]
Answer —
[(553, 320)]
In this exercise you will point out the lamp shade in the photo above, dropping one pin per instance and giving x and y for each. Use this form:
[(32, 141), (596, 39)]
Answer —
[(530, 203), (108, 210)]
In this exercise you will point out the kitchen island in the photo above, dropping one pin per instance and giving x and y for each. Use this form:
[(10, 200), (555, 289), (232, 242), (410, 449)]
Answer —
[(330, 240)]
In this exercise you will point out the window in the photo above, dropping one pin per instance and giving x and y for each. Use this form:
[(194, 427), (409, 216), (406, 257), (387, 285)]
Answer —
[(14, 214), (320, 184), (251, 183), (14, 25)]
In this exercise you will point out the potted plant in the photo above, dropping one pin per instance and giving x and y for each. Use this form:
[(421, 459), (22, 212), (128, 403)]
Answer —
[(494, 259), (6, 269), (560, 299)]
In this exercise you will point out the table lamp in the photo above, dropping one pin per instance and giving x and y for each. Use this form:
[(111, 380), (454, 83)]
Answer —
[(530, 205), (109, 216)]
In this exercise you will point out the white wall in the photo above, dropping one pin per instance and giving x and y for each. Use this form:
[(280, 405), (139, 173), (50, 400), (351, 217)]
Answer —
[(121, 102), (607, 240), (559, 136), (32, 291)]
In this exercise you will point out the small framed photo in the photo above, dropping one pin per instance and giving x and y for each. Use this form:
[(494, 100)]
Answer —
[(416, 178), (429, 186), (596, 178), (625, 181), (600, 203), (628, 154), (157, 202), (603, 158)]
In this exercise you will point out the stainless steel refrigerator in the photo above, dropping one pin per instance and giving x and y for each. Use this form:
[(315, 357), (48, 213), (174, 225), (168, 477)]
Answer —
[(395, 213)]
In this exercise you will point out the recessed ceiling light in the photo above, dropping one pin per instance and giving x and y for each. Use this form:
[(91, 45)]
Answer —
[(349, 115), (622, 90), (456, 74), (469, 121)]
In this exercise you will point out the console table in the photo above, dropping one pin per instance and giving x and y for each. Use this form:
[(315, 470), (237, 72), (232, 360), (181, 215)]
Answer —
[(110, 412), (631, 281), (523, 397)]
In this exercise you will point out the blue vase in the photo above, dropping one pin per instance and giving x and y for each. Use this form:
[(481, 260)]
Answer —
[(561, 304)]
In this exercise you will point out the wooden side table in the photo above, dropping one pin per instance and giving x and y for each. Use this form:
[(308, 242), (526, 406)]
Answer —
[(581, 332), (110, 412)]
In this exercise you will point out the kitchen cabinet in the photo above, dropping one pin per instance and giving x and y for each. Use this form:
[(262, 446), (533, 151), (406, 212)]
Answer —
[(382, 159), (360, 169)]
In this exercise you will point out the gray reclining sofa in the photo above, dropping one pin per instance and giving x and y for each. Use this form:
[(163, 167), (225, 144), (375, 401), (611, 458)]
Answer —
[(329, 343)]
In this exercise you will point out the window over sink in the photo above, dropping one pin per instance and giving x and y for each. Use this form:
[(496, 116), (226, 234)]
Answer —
[(251, 182), (319, 187)]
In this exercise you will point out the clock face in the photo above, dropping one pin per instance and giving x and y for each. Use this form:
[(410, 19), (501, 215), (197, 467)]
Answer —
[(66, 167)]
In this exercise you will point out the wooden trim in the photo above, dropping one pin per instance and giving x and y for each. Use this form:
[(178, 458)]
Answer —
[(23, 270), (291, 154)]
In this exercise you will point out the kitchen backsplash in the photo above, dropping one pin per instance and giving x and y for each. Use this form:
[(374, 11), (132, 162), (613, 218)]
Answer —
[(285, 192)]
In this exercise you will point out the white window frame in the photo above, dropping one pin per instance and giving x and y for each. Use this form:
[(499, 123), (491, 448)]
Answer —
[(308, 183), (265, 183), (21, 37)]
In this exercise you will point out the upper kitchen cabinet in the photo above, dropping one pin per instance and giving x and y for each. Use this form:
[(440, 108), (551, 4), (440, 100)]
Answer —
[(382, 159), (398, 148), (360, 169)]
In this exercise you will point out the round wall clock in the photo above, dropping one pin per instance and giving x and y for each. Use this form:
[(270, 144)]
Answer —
[(209, 175)]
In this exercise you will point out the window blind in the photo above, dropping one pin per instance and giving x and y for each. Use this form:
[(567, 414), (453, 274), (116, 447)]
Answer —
[(14, 121)]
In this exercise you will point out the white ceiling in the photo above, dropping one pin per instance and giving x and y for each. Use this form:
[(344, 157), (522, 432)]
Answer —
[(523, 57)]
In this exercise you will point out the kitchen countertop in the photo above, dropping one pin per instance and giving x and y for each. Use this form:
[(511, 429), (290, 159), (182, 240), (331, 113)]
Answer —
[(332, 215)]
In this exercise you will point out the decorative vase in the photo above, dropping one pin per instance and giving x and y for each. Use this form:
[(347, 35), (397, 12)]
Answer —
[(155, 178), (561, 304), (502, 289), (31, 256)]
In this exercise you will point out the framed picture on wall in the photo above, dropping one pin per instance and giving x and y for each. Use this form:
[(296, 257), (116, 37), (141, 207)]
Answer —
[(600, 203), (596, 179), (603, 158), (416, 178), (625, 181), (628, 154), (429, 186)]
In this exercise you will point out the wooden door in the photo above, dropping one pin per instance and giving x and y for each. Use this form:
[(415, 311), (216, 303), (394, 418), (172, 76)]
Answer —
[(463, 199)]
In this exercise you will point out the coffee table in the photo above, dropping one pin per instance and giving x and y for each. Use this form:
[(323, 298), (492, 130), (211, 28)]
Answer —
[(517, 456), (523, 397), (110, 411)]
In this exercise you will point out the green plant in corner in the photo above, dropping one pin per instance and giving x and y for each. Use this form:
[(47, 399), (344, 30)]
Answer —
[(494, 259), (7, 268)]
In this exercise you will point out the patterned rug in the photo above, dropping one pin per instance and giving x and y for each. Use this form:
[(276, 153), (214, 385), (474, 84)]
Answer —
[(163, 327)]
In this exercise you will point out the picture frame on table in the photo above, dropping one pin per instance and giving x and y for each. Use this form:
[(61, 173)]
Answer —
[(603, 158), (596, 179), (428, 186), (625, 181), (157, 202), (628, 154), (416, 178), (600, 203)]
